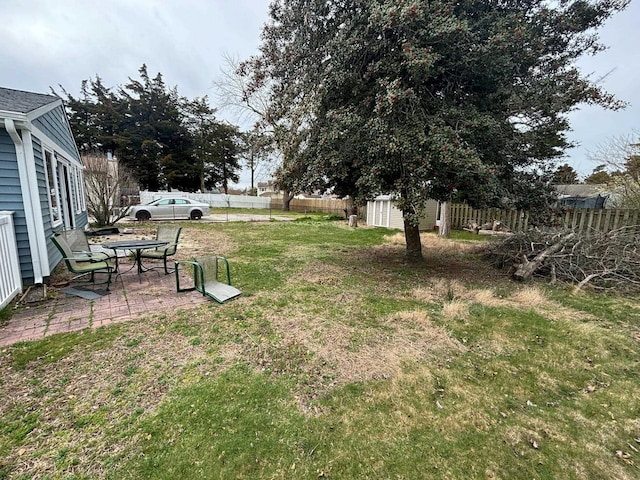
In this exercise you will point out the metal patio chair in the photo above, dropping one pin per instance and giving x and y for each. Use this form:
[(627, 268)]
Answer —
[(165, 233), (80, 263), (205, 278), (79, 245)]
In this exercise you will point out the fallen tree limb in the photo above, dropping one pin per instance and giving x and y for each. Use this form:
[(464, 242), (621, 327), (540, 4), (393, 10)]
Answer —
[(599, 260), (529, 267)]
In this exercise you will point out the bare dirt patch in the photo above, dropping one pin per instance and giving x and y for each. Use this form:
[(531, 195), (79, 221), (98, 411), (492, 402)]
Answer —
[(321, 274), (208, 241), (193, 241), (332, 354)]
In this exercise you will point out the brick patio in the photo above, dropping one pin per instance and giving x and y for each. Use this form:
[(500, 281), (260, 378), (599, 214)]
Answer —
[(130, 297)]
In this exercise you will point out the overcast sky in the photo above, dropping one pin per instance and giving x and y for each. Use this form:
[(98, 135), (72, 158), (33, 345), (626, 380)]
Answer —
[(61, 42)]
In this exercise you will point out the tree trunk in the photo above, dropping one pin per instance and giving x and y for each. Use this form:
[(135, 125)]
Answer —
[(351, 208), (445, 220), (286, 201), (252, 168), (413, 253)]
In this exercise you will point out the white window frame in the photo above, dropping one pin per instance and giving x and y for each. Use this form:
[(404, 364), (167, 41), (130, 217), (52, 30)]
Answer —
[(83, 200), (51, 169), (75, 172)]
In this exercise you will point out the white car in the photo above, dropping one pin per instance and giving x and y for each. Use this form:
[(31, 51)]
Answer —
[(170, 209)]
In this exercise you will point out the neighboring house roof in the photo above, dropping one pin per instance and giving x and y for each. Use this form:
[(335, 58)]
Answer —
[(304, 195), (270, 194), (581, 190), (23, 102)]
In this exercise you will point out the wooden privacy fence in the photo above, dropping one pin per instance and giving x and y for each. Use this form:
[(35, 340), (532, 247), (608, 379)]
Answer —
[(601, 220), (323, 205), (462, 215), (577, 219), (10, 281)]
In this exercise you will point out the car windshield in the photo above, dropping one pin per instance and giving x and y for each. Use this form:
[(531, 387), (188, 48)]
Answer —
[(172, 201)]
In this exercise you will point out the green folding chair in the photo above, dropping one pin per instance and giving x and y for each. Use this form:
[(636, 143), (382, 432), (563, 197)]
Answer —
[(205, 278)]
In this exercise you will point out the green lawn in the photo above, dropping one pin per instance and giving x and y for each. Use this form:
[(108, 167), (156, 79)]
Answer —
[(340, 361)]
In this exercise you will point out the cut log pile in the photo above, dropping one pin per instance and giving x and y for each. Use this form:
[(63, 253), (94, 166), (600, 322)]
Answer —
[(605, 261), (490, 228)]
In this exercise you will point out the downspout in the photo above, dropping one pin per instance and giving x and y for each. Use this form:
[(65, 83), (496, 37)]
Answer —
[(26, 180), (37, 206)]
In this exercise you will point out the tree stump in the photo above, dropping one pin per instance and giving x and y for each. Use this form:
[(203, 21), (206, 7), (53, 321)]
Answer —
[(353, 221)]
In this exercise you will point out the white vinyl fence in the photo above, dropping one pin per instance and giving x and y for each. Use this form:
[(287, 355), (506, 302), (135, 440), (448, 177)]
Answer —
[(219, 200), (10, 281)]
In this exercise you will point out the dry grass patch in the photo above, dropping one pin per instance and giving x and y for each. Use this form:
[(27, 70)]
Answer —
[(440, 290), (455, 309), (485, 297), (455, 295), (529, 296), (409, 337), (347, 353), (200, 241), (498, 344), (395, 239), (535, 299), (434, 244), (88, 397), (322, 274)]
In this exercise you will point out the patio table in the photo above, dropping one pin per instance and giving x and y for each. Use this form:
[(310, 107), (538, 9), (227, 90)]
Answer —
[(136, 246)]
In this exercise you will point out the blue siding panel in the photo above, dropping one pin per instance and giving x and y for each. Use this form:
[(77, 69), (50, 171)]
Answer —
[(82, 220), (11, 199), (54, 125)]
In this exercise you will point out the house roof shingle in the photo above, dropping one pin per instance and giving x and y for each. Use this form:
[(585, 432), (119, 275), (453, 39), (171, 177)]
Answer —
[(23, 102), (581, 190)]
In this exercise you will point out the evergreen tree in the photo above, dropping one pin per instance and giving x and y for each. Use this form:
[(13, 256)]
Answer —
[(95, 117), (153, 142), (599, 176), (163, 139), (565, 175), (216, 146)]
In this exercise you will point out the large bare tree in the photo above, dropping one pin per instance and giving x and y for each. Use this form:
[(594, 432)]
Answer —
[(618, 162), (104, 180)]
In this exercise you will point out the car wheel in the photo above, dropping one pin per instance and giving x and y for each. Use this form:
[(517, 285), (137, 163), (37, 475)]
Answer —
[(143, 216), (196, 215)]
